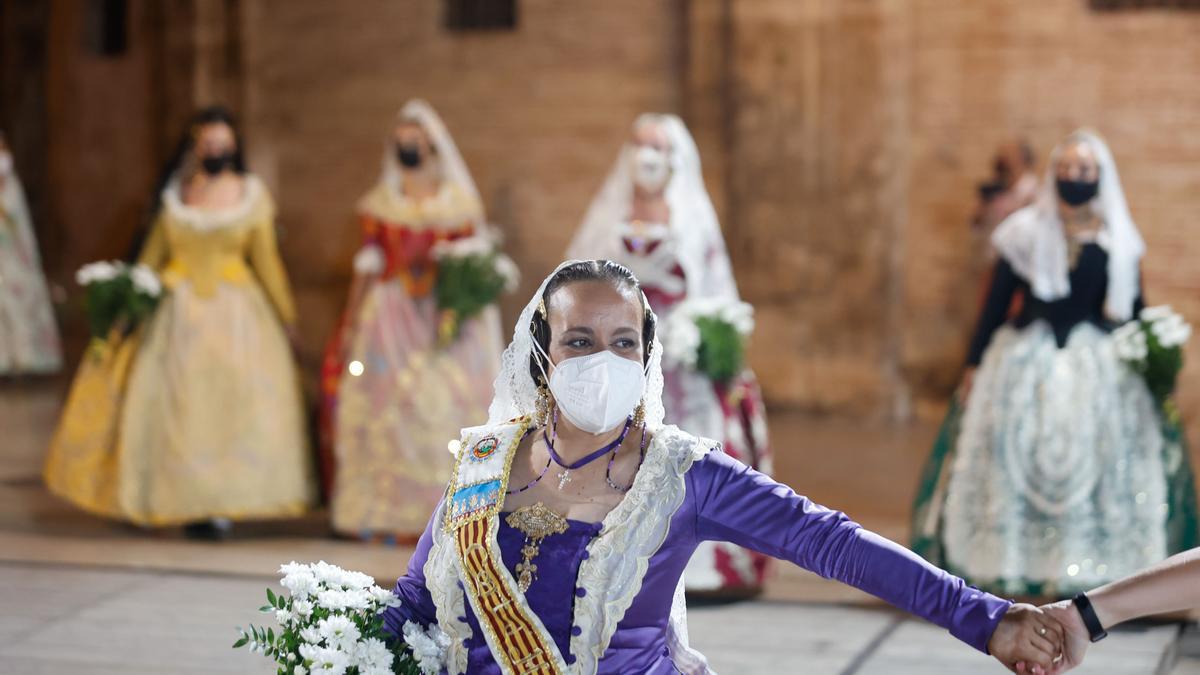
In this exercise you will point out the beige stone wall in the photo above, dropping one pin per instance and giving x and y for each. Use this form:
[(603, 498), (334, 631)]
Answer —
[(842, 141), (538, 114), (817, 167)]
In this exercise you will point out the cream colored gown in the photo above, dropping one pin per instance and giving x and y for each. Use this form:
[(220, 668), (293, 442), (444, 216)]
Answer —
[(199, 414)]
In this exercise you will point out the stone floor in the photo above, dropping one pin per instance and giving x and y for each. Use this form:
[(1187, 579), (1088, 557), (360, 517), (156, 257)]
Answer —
[(81, 595), (60, 620)]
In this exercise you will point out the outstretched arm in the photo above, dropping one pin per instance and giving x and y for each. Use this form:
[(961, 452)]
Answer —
[(737, 504), (1172, 585)]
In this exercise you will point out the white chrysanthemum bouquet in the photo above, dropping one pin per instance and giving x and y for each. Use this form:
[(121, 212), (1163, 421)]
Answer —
[(709, 335), (117, 297), (331, 622), (472, 274), (1152, 345)]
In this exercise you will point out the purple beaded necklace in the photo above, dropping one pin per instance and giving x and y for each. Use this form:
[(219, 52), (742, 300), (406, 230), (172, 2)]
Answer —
[(641, 459), (564, 477)]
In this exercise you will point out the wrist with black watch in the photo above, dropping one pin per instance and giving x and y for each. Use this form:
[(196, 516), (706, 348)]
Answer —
[(1088, 613)]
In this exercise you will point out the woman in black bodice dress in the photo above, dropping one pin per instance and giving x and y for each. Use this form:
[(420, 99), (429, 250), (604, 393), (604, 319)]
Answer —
[(1055, 470)]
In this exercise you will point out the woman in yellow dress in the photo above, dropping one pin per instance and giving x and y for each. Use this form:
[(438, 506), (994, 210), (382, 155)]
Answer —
[(196, 418)]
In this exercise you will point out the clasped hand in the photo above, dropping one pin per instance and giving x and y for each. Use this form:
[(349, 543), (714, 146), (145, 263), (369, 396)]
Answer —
[(1030, 640)]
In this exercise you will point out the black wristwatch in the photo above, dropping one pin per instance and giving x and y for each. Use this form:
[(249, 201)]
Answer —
[(1095, 629)]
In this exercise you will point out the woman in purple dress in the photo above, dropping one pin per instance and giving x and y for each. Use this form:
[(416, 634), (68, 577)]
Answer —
[(564, 533)]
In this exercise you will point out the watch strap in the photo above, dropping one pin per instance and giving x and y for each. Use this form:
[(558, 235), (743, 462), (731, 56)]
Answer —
[(1095, 629)]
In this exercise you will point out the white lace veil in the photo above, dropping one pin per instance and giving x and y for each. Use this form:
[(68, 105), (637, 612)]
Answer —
[(515, 391), (454, 169), (694, 225), (1032, 240)]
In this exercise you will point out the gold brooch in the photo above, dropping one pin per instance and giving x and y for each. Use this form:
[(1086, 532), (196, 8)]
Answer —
[(536, 522)]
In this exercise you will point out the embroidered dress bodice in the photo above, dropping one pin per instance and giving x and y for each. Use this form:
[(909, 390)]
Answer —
[(205, 248), (559, 552), (406, 230), (649, 251), (1089, 286)]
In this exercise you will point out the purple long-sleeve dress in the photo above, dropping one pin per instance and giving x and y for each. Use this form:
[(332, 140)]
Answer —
[(724, 501)]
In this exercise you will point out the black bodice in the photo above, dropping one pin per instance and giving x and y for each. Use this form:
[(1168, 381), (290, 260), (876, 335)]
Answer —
[(1089, 286)]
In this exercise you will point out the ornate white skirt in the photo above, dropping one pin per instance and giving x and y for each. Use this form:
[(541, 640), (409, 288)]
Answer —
[(1057, 483)]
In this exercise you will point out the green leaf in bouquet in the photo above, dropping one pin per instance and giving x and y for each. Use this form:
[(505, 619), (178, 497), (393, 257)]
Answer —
[(1162, 366), (103, 304), (467, 285), (721, 350), (271, 598)]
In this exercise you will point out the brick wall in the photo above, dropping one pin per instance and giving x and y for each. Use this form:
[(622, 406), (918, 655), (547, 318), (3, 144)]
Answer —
[(854, 135), (538, 114), (842, 140)]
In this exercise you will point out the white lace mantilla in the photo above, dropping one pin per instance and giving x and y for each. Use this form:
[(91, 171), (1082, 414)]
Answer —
[(442, 574), (206, 219), (1058, 476), (611, 575)]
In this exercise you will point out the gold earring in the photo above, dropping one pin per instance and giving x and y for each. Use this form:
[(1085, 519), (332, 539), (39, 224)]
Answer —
[(639, 414), (542, 413)]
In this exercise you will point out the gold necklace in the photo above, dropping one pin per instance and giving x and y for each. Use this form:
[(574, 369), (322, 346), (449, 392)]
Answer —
[(536, 522)]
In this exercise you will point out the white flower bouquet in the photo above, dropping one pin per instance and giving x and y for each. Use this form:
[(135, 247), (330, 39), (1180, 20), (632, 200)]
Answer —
[(472, 274), (709, 335), (117, 296), (1152, 345), (331, 623)]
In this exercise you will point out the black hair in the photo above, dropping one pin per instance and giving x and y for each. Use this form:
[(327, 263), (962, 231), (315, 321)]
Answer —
[(614, 274), (215, 114)]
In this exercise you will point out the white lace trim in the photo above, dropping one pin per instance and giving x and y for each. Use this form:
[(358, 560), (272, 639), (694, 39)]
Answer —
[(441, 579), (1058, 475), (633, 532), (205, 219)]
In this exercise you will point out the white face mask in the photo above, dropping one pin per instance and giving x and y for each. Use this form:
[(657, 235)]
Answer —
[(5, 163), (597, 392), (651, 169)]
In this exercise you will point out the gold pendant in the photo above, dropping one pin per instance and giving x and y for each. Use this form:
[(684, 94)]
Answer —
[(536, 522)]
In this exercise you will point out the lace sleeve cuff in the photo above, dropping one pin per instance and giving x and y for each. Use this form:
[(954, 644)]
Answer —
[(369, 260)]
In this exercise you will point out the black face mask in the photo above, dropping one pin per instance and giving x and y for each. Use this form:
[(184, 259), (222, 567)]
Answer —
[(215, 164), (1077, 192), (409, 156)]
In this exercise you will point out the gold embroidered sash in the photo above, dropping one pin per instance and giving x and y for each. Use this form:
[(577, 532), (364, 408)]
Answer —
[(519, 641)]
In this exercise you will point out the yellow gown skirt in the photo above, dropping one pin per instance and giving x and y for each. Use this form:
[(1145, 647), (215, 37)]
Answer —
[(199, 415)]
